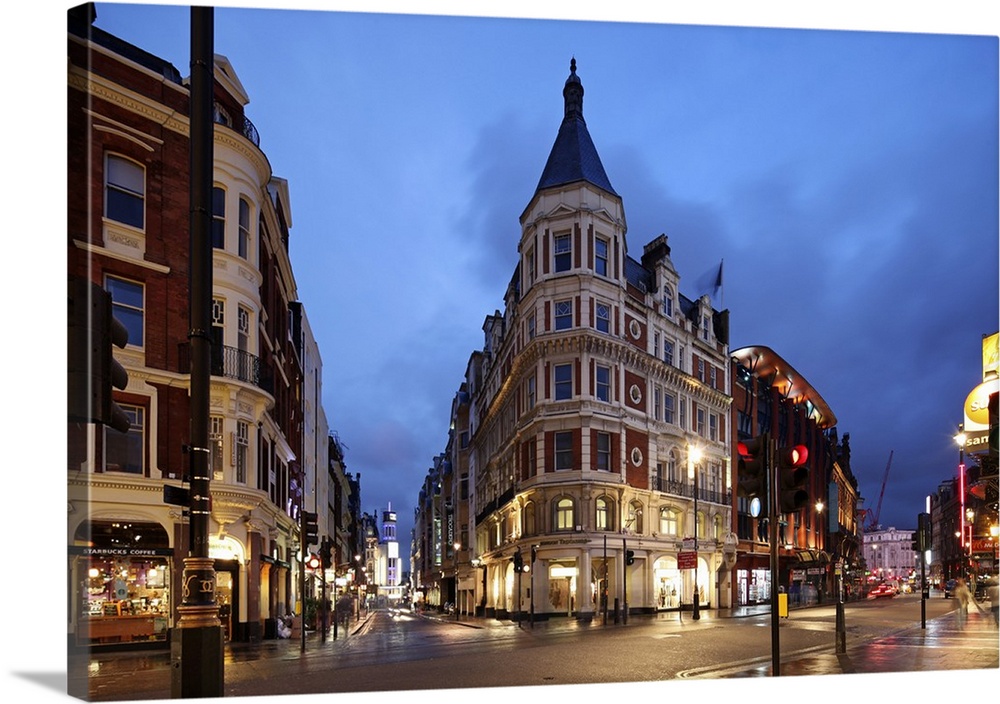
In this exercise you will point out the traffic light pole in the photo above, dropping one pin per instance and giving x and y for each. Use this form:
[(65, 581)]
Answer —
[(772, 526), (302, 577), (624, 582), (196, 646)]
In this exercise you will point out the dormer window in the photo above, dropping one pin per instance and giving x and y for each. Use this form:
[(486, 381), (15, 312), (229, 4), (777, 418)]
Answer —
[(668, 302)]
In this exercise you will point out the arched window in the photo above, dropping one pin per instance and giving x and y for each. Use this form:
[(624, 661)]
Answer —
[(528, 519), (669, 524), (124, 191), (564, 518), (634, 517), (605, 514)]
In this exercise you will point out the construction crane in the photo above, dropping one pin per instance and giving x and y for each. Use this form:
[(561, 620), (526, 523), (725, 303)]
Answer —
[(873, 523)]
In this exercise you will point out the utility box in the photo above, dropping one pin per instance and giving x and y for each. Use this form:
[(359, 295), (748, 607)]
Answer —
[(782, 605)]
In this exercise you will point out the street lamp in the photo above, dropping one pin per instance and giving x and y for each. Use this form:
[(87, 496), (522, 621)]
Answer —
[(694, 456), (960, 439)]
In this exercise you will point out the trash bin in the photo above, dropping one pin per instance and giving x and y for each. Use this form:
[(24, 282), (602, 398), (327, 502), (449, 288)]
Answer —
[(782, 605)]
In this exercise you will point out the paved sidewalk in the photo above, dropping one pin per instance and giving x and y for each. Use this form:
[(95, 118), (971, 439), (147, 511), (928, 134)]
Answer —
[(942, 645)]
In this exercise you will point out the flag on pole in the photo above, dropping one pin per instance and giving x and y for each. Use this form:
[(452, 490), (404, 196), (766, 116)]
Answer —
[(711, 282)]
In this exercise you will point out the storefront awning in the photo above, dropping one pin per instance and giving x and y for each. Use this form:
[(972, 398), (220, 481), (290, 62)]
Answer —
[(817, 557)]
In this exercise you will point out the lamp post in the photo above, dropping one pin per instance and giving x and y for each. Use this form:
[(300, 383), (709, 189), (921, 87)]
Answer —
[(457, 546), (694, 456), (970, 521), (960, 439)]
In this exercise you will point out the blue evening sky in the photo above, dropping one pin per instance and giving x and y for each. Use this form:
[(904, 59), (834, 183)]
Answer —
[(848, 179)]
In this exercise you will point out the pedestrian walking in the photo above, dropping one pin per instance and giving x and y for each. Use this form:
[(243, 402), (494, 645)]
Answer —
[(962, 598), (994, 597)]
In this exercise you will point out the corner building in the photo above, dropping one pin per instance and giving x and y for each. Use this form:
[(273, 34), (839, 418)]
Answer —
[(599, 402)]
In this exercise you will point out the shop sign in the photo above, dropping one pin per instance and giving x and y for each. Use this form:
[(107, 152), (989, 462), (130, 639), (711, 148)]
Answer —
[(977, 412), (90, 551)]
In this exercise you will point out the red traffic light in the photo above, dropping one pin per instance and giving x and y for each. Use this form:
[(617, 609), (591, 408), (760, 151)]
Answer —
[(794, 456)]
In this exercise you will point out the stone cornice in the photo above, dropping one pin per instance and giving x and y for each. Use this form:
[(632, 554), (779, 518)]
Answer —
[(104, 89)]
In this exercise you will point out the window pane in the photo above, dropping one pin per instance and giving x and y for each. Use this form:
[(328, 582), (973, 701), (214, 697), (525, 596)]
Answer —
[(126, 174), (601, 258), (563, 248), (125, 207), (127, 306), (218, 218), (124, 451), (564, 381)]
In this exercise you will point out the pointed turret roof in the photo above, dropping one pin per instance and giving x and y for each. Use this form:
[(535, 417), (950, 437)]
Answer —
[(573, 156)]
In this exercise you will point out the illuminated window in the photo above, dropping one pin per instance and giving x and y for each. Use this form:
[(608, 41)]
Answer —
[(605, 514), (564, 518)]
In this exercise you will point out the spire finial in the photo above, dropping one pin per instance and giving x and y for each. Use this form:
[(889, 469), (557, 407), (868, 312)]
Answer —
[(573, 93)]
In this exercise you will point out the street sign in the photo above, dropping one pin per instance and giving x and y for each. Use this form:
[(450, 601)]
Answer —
[(687, 560)]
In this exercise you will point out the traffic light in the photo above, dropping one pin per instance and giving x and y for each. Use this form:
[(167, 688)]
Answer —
[(792, 477), (310, 528), (93, 371), (916, 537), (518, 561), (326, 552), (753, 473), (629, 557), (924, 525)]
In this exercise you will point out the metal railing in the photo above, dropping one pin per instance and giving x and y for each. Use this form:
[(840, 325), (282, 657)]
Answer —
[(686, 489), (232, 363)]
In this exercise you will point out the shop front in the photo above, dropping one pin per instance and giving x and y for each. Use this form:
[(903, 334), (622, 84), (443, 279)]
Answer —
[(753, 580), (122, 573), (668, 585)]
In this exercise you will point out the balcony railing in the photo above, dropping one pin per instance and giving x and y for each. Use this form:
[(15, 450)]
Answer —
[(232, 363), (686, 489), (247, 129)]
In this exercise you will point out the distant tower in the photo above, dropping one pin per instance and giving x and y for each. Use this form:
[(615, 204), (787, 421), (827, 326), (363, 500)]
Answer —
[(388, 558), (389, 525)]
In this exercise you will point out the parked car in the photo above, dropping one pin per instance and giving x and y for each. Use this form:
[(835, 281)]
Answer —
[(882, 590), (949, 588)]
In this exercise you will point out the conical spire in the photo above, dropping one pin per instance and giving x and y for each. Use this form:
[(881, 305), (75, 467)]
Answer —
[(573, 156)]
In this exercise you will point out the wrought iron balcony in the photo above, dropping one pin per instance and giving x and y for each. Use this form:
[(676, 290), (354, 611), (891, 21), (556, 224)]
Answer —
[(686, 489), (247, 129), (232, 363)]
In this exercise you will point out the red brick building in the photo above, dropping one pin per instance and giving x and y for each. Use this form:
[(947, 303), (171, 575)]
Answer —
[(128, 231), (770, 396)]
